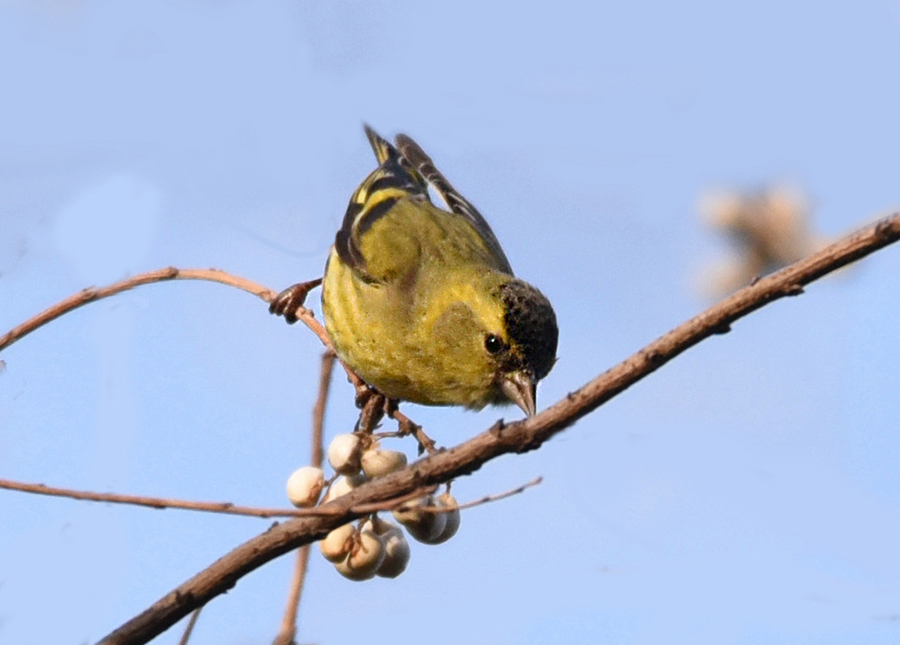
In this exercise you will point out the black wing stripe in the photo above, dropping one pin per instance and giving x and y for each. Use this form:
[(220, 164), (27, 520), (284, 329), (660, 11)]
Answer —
[(342, 240), (342, 246), (394, 178), (371, 215)]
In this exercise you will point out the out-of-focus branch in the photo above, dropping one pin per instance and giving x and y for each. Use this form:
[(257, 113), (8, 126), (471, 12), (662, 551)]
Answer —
[(502, 438), (318, 423), (288, 630), (186, 636)]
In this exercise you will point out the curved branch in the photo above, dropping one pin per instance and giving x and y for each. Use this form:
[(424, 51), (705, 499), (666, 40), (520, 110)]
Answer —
[(502, 438), (91, 294)]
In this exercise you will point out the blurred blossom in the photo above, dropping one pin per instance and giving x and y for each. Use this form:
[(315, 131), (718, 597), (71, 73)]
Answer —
[(768, 230)]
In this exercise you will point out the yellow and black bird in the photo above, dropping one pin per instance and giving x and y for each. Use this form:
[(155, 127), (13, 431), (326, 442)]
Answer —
[(422, 303)]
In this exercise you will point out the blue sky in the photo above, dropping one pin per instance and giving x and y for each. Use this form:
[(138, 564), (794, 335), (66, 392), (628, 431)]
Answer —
[(749, 492)]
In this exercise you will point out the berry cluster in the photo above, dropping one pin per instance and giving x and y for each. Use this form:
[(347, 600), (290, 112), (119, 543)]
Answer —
[(374, 547)]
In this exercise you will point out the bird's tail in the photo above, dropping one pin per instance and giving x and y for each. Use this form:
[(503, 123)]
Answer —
[(380, 146)]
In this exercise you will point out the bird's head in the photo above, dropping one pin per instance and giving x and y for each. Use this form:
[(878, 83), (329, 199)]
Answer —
[(493, 339), (522, 344)]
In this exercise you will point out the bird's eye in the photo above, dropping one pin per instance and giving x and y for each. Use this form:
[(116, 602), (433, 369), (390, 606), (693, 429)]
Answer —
[(493, 344)]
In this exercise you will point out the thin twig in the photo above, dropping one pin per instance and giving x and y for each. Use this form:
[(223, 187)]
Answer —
[(500, 439), (92, 294), (288, 630), (161, 503), (394, 502), (225, 508), (482, 500), (186, 636)]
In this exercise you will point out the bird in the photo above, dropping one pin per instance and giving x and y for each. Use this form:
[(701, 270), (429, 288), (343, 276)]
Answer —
[(421, 301)]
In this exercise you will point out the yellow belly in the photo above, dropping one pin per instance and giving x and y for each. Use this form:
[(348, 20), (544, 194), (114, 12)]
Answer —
[(396, 344)]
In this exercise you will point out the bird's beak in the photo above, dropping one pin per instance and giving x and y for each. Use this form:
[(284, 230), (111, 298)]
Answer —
[(520, 388)]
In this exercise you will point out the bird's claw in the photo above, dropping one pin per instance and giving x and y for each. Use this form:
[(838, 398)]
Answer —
[(289, 301)]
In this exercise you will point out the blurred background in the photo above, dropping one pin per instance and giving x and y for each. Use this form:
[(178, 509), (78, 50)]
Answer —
[(749, 492)]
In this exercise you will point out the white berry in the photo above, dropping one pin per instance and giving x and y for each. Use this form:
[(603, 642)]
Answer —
[(364, 559), (338, 543), (344, 452), (378, 463), (396, 553), (424, 526), (304, 486), (453, 517), (342, 486)]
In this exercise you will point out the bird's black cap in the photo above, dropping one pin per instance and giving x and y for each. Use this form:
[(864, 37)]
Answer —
[(531, 325)]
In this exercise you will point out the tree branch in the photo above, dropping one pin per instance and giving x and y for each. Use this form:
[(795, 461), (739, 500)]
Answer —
[(502, 438), (287, 633), (159, 503), (91, 294), (487, 499), (224, 508), (186, 636)]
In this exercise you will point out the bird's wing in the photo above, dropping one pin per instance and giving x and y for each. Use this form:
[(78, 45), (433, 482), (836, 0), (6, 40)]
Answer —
[(424, 167), (393, 180), (399, 188)]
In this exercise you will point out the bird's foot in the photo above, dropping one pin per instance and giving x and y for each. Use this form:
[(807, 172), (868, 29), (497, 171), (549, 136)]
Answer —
[(373, 407), (289, 301), (407, 427)]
